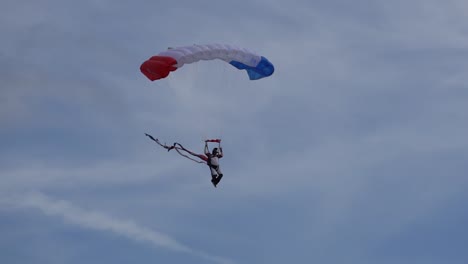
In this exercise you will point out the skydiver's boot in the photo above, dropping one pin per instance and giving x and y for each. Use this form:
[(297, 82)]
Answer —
[(213, 180), (218, 179)]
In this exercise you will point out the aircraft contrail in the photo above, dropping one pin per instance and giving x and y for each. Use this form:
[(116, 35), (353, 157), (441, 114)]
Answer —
[(99, 221)]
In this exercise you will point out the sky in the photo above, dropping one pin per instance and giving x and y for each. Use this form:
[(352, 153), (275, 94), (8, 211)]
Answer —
[(353, 151)]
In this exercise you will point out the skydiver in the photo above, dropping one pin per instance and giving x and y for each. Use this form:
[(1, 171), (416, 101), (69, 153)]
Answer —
[(211, 159)]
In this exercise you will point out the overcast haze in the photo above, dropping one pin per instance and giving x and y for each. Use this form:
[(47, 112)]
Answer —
[(354, 151)]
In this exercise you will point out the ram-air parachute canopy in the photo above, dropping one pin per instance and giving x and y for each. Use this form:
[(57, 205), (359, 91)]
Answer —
[(159, 66)]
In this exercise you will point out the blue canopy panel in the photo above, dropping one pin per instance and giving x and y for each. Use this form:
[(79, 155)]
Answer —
[(263, 69)]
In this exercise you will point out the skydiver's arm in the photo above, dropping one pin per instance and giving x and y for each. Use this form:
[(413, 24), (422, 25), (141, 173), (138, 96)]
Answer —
[(220, 154), (207, 151)]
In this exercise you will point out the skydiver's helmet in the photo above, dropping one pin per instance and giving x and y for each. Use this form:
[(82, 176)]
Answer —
[(215, 151)]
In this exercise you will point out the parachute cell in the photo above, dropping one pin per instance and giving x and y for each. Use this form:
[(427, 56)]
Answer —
[(159, 66)]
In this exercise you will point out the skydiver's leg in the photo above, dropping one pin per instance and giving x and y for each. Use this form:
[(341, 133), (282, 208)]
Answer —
[(218, 170), (213, 181), (214, 176), (218, 179), (220, 175)]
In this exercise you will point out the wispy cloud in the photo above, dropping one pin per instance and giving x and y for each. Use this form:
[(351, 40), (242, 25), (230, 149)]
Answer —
[(102, 222)]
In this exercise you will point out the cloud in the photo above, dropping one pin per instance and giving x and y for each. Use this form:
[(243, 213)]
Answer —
[(368, 100), (102, 222)]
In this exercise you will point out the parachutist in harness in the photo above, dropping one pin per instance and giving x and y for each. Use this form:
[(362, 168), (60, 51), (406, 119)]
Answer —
[(213, 161), (209, 158)]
